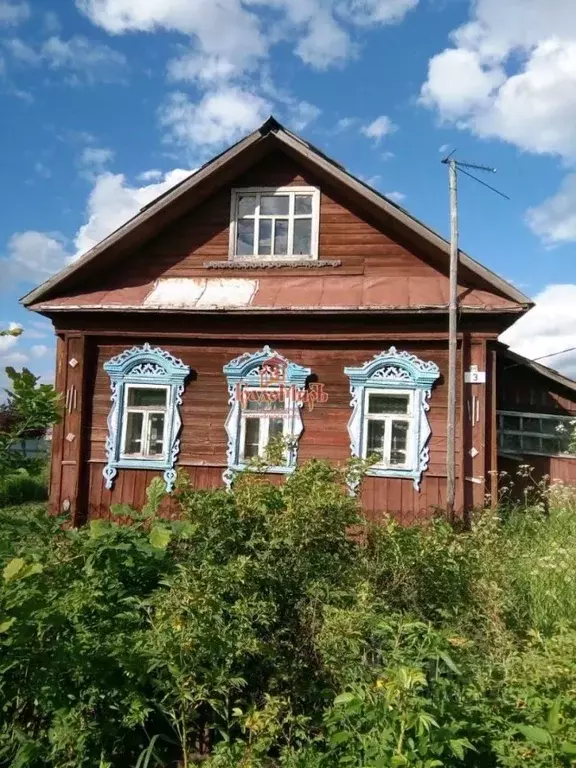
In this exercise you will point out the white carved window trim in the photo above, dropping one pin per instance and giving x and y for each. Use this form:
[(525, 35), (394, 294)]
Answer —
[(393, 371), (144, 367), (388, 418), (291, 192), (243, 374)]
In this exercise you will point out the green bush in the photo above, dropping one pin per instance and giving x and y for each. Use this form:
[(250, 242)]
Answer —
[(256, 631), (22, 488)]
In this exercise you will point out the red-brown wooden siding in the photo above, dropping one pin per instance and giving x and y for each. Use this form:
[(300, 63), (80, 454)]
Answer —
[(205, 408)]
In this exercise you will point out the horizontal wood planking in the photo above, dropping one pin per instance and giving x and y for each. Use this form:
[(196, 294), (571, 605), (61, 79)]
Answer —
[(522, 389), (203, 235), (205, 408)]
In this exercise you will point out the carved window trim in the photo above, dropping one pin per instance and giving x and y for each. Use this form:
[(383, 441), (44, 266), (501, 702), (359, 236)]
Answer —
[(144, 366), (390, 371), (246, 373)]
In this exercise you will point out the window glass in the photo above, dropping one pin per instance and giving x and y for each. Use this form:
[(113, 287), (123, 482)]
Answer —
[(251, 438), (274, 205), (511, 442), (398, 450), (265, 237), (276, 429), (303, 205), (375, 439), (531, 443), (302, 236), (550, 426), (245, 239), (133, 442), (388, 403), (146, 397), (530, 424), (156, 434), (281, 237), (511, 422), (246, 205)]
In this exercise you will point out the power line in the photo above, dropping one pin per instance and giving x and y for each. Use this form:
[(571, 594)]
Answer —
[(554, 354)]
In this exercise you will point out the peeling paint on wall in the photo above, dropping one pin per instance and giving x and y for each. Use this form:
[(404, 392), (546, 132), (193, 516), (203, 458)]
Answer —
[(201, 293)]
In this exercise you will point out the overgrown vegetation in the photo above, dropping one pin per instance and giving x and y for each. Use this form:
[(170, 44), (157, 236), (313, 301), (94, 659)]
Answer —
[(271, 626), (30, 410)]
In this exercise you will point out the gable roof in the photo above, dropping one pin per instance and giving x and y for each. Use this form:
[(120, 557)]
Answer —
[(192, 190)]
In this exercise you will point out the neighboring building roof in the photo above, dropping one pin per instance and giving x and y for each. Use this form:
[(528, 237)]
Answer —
[(173, 203), (543, 370), (312, 293)]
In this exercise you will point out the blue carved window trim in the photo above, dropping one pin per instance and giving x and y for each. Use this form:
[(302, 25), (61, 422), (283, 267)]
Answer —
[(248, 372), (393, 371), (144, 367)]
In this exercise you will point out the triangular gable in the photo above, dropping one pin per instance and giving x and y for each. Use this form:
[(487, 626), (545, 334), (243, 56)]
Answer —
[(200, 185)]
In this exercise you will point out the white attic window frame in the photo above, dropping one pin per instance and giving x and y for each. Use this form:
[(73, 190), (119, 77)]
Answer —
[(291, 191)]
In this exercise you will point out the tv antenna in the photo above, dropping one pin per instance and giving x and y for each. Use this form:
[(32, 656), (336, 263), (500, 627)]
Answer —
[(454, 167)]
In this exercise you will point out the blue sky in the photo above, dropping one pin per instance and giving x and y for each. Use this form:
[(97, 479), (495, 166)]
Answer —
[(106, 103)]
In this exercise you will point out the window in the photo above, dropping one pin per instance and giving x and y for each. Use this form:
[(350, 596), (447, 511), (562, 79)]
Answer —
[(275, 223), (388, 428), (265, 396), (389, 420), (263, 420), (534, 433), (144, 420)]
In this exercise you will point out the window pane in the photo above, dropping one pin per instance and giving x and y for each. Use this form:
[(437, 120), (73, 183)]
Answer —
[(550, 426), (552, 446), (302, 236), (281, 237), (388, 403), (246, 205), (530, 424), (511, 443), (251, 438), (375, 442), (274, 205), (264, 404), (276, 429), (245, 241), (399, 444), (265, 237), (511, 422), (531, 443), (303, 205), (133, 442), (143, 398), (156, 439)]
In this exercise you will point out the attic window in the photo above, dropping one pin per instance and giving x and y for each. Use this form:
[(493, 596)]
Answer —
[(278, 223)]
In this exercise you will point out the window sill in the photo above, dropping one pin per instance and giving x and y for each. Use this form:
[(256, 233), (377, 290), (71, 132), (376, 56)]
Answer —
[(268, 263)]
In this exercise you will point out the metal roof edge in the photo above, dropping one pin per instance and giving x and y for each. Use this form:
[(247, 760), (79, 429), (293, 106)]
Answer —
[(543, 370)]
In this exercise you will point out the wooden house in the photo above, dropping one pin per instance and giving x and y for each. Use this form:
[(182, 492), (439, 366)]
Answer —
[(270, 294)]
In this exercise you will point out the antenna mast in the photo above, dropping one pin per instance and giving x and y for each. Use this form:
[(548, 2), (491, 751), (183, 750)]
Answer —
[(453, 167)]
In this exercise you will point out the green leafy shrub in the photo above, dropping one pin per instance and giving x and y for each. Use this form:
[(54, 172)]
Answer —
[(271, 627), (22, 488)]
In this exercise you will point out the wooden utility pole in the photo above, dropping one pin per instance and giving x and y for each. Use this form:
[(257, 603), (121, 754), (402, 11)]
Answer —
[(453, 167), (452, 342)]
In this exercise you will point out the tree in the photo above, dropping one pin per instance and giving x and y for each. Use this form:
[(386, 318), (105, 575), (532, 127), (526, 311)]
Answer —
[(31, 408)]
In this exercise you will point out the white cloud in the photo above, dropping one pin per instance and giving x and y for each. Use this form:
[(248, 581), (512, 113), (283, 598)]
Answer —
[(42, 170), (83, 60), (301, 114), (93, 160), (113, 201), (152, 175), (13, 12), (379, 128), (8, 342), (548, 328), (221, 116), (39, 350), (554, 220), (398, 197), (366, 12), (34, 256), (511, 75), (230, 37), (443, 149)]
